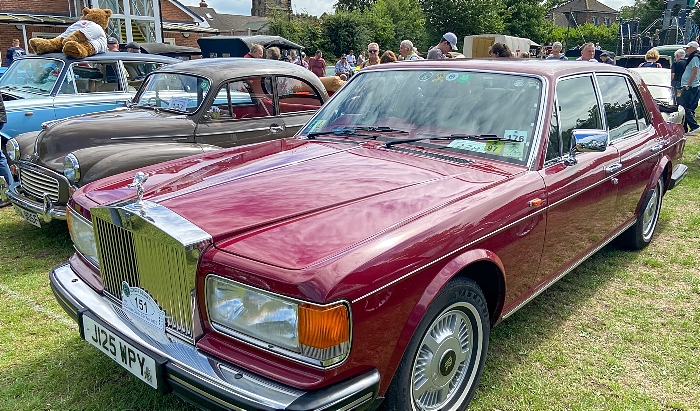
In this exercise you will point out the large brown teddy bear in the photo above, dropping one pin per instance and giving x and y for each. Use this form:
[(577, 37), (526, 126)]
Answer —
[(83, 38)]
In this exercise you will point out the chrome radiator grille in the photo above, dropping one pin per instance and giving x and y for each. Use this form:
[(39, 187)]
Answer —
[(136, 251), (37, 184)]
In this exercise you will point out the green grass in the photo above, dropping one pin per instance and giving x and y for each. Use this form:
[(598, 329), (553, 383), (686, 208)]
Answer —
[(621, 332)]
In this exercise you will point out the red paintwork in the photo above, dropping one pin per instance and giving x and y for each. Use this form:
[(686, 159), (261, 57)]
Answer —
[(326, 221)]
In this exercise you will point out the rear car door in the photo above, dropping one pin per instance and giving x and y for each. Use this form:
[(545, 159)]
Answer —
[(298, 101), (241, 112), (632, 134), (581, 197)]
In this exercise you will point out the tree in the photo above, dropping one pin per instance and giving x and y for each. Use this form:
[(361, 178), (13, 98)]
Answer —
[(346, 31), (353, 5), (525, 19), (462, 17), (398, 20)]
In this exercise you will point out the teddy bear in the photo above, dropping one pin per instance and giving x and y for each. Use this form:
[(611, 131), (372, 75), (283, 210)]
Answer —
[(83, 38)]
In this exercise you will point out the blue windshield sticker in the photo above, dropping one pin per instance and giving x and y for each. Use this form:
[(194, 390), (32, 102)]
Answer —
[(451, 77)]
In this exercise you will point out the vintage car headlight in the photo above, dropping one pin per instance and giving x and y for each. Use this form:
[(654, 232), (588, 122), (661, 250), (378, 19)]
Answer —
[(12, 148), (71, 168), (82, 234), (313, 333)]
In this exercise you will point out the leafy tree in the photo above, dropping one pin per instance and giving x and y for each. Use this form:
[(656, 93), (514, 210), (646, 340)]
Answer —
[(525, 18), (462, 17), (346, 31), (397, 20), (352, 5)]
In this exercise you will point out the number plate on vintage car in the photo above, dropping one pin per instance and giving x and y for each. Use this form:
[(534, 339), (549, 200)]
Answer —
[(32, 218), (125, 354)]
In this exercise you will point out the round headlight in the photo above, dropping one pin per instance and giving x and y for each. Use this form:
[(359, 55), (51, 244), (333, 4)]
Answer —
[(71, 168), (12, 150)]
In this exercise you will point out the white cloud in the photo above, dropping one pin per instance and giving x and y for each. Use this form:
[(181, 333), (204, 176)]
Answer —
[(616, 4), (242, 7)]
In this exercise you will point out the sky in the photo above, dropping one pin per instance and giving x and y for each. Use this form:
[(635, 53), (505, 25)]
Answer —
[(317, 7)]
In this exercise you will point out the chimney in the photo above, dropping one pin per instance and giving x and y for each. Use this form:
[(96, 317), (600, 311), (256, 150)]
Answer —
[(203, 4)]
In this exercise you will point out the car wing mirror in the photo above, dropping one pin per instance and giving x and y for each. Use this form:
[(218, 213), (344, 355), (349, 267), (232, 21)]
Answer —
[(586, 141), (666, 108)]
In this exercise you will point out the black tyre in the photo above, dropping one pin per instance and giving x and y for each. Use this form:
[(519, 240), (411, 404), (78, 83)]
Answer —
[(640, 234), (441, 367)]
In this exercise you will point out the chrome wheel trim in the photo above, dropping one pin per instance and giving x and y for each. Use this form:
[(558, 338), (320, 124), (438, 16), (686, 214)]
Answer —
[(650, 214), (452, 332)]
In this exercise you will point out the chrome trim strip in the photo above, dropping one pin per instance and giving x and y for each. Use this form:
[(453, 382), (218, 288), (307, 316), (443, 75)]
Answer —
[(566, 271), (248, 130), (205, 394), (350, 406), (162, 137)]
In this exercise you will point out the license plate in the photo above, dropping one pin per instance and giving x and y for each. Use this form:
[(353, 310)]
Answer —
[(32, 218), (123, 353)]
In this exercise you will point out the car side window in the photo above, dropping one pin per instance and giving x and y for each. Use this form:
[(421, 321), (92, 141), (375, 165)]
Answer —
[(242, 99), (554, 149), (578, 107), (91, 77), (136, 71), (68, 85), (296, 95), (619, 109), (640, 110)]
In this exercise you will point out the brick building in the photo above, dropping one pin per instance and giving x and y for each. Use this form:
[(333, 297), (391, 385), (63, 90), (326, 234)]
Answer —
[(578, 12), (143, 21)]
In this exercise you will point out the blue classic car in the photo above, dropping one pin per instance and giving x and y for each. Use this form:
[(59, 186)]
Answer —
[(36, 88)]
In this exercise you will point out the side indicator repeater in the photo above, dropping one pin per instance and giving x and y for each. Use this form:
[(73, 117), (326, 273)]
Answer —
[(535, 202)]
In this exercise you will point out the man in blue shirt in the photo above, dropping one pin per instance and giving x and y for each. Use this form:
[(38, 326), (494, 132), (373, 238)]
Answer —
[(690, 83), (342, 67)]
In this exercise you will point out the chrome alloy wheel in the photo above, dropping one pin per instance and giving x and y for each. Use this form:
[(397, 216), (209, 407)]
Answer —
[(444, 358), (650, 214)]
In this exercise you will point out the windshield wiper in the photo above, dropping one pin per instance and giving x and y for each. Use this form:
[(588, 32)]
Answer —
[(351, 131), (471, 137)]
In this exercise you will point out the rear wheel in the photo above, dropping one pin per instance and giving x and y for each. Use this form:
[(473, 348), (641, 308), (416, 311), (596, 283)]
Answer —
[(640, 234), (442, 364)]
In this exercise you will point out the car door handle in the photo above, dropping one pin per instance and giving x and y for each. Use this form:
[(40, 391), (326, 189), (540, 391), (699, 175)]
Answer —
[(276, 129), (29, 113), (613, 168), (656, 148)]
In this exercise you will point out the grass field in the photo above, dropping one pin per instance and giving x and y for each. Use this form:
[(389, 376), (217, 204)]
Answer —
[(621, 332)]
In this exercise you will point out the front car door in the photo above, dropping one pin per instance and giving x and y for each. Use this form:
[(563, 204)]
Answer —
[(581, 197), (89, 87), (241, 112), (298, 101)]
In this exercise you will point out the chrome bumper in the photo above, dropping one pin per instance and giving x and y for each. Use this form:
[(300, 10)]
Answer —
[(47, 211), (201, 378)]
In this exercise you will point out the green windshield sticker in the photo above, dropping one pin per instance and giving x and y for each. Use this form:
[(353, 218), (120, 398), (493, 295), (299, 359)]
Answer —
[(463, 78), (318, 124), (514, 150), (204, 85)]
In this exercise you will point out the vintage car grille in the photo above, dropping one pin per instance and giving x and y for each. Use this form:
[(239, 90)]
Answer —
[(145, 256), (37, 184)]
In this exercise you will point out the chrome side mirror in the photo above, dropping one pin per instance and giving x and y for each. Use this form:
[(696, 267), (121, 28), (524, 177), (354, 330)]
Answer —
[(586, 141)]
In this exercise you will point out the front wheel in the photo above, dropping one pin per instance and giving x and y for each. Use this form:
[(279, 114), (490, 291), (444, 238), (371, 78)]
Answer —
[(442, 364), (640, 234)]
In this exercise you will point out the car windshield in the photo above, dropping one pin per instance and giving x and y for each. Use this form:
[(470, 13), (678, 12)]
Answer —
[(491, 115), (662, 93), (174, 92), (34, 74)]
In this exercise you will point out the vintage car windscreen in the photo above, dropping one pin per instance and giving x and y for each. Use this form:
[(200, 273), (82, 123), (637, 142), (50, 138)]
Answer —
[(35, 75), (491, 115), (174, 92)]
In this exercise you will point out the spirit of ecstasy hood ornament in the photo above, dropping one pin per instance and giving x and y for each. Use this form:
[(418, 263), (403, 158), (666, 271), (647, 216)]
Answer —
[(139, 179)]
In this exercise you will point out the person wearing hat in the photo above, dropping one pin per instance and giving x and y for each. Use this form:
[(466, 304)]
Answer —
[(342, 67), (690, 83), (133, 47), (605, 58), (112, 44), (447, 44)]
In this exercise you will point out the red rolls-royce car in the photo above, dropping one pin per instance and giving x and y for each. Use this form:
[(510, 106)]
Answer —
[(362, 263)]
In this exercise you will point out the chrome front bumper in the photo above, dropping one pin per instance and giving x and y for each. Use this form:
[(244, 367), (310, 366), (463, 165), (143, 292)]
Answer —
[(47, 211), (201, 378)]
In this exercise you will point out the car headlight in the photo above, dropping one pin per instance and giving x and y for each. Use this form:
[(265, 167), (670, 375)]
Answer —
[(71, 168), (82, 234), (317, 334), (12, 148)]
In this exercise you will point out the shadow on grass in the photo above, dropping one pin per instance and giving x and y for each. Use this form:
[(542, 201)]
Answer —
[(72, 375)]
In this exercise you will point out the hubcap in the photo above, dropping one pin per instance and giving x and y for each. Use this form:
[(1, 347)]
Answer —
[(649, 217), (443, 360)]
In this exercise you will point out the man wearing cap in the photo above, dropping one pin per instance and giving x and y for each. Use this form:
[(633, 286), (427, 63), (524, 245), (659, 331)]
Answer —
[(133, 47), (447, 44), (342, 67), (605, 58), (112, 44), (690, 83)]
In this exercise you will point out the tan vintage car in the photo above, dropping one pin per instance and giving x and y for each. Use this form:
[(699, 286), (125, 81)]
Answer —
[(187, 108)]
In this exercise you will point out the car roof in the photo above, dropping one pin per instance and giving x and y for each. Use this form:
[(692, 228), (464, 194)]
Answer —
[(229, 67), (546, 68), (110, 55)]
